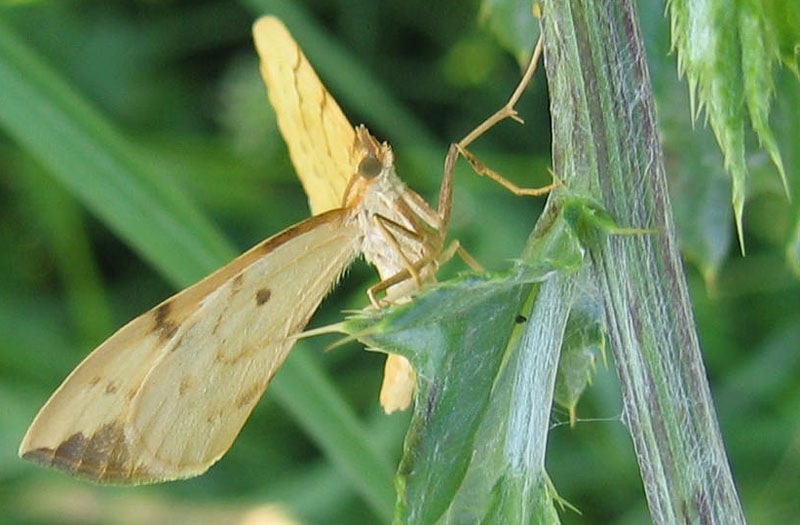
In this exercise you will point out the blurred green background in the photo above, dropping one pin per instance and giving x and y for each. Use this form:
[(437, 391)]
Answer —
[(162, 101)]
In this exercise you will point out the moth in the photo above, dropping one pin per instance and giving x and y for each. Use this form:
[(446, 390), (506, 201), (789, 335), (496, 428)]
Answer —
[(165, 396)]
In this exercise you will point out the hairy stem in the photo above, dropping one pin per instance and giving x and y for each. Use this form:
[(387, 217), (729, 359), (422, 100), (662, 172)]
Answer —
[(605, 147)]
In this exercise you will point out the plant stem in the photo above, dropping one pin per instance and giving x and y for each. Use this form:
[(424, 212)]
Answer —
[(605, 147)]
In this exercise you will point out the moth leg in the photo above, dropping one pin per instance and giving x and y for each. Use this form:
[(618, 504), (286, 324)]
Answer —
[(460, 148), (388, 224), (448, 253), (380, 222), (399, 277), (455, 248), (482, 169), (507, 111)]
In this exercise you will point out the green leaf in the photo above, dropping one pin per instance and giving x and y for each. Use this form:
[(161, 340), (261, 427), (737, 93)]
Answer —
[(728, 51), (759, 43), (506, 481), (584, 339), (61, 221), (455, 337), (458, 335), (103, 170)]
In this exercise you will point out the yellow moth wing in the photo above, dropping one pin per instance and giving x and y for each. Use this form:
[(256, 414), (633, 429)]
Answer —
[(165, 396), (319, 137), (226, 380)]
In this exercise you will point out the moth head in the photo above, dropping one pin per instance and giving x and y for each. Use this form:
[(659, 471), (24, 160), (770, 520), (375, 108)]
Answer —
[(375, 157), (374, 161)]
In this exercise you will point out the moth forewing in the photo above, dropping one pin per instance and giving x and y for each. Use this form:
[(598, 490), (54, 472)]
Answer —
[(319, 137), (165, 396)]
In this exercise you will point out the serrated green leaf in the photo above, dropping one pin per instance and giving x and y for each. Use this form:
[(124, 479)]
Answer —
[(699, 187), (759, 43), (455, 337), (584, 341), (504, 481), (728, 51)]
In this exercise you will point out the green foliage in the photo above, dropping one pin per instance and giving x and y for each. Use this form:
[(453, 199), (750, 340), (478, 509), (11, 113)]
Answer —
[(89, 156), (728, 51), (584, 341), (457, 351), (788, 131)]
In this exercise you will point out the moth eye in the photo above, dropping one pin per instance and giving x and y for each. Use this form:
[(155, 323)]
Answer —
[(369, 167)]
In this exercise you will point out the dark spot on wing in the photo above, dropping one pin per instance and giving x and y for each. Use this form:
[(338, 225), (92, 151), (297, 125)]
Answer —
[(165, 327), (520, 319), (262, 296), (67, 452), (247, 397), (162, 312)]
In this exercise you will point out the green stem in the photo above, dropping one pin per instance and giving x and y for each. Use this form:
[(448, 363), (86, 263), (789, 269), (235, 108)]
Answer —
[(605, 146)]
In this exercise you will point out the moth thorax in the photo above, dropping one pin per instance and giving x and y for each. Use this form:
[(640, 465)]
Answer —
[(393, 236)]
